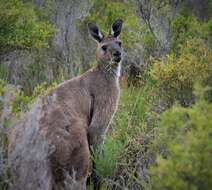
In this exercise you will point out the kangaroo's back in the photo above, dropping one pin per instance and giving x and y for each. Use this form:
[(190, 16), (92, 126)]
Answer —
[(28, 153)]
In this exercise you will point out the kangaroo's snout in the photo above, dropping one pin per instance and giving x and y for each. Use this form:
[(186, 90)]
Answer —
[(116, 51), (116, 56)]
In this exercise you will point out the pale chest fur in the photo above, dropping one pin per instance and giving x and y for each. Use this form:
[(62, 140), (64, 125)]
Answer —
[(117, 86), (118, 74)]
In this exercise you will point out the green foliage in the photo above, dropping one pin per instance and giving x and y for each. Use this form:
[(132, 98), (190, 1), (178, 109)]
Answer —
[(33, 75), (104, 13), (188, 61), (129, 123), (133, 111), (22, 102), (148, 40), (2, 85), (177, 75), (201, 9), (45, 11), (2, 72), (20, 26), (43, 89), (207, 31), (106, 164), (184, 28), (185, 134)]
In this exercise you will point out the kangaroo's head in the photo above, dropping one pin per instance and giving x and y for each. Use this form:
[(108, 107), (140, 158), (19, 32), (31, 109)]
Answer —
[(109, 48)]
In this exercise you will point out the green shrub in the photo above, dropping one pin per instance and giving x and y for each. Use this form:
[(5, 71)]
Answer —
[(33, 75), (22, 102), (185, 137), (188, 61), (43, 89), (207, 31), (2, 85), (185, 28), (107, 163), (20, 26), (177, 75), (148, 40)]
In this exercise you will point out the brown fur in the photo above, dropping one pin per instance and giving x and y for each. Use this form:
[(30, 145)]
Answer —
[(51, 141)]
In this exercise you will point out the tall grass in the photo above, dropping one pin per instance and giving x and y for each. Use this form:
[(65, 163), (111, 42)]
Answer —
[(129, 121)]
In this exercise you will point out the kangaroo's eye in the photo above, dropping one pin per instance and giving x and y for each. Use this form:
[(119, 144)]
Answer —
[(119, 43), (104, 47)]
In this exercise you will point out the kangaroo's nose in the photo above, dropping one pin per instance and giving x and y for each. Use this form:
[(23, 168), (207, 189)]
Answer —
[(117, 54)]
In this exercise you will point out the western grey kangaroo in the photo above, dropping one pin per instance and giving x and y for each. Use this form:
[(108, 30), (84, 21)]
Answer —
[(51, 143)]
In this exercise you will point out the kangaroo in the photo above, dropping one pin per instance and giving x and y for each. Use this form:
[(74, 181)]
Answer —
[(51, 143)]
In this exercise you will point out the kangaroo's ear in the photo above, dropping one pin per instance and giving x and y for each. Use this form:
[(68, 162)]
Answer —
[(116, 28), (95, 32)]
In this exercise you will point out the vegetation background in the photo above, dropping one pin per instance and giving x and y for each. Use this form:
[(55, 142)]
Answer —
[(161, 137)]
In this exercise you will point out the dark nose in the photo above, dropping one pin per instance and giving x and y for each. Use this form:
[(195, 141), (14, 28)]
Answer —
[(117, 54)]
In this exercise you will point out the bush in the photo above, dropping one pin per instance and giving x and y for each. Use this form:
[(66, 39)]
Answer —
[(207, 32), (149, 41), (184, 28), (20, 26), (175, 76), (106, 164), (21, 103), (185, 135)]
